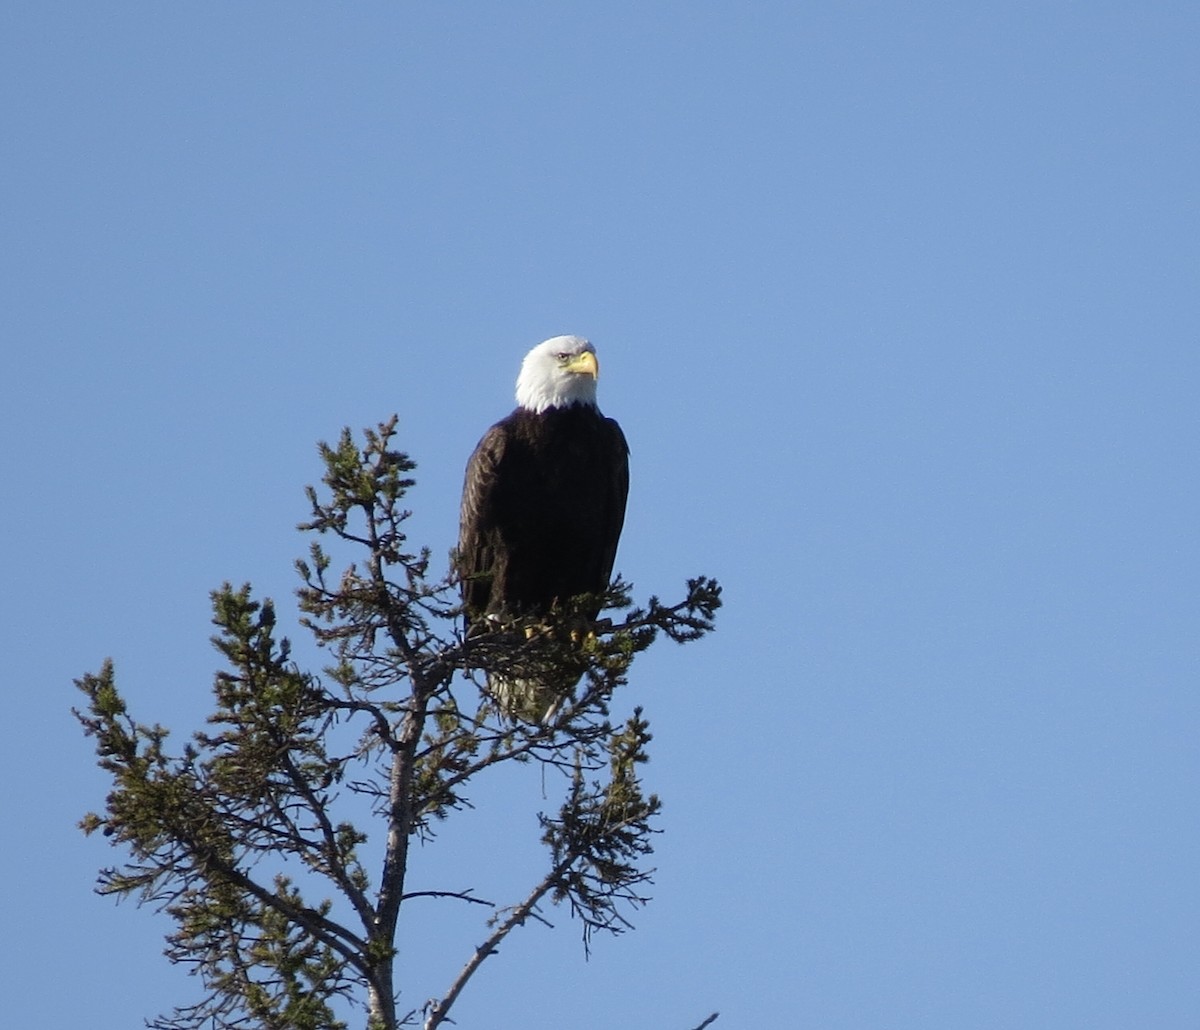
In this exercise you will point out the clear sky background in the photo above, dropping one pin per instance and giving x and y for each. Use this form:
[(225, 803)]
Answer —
[(898, 306)]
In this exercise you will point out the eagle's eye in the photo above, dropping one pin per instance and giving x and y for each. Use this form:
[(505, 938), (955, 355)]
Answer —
[(563, 356)]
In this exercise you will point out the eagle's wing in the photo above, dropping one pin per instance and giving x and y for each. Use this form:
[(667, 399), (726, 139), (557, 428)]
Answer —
[(619, 493), (477, 522)]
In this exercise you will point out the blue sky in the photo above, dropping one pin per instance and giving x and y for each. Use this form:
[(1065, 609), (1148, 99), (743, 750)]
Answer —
[(897, 305)]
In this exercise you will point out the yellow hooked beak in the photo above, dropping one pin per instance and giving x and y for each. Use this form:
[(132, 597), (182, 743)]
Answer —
[(584, 364)]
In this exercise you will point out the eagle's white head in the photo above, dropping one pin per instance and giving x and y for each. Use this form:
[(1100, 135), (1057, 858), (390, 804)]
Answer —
[(557, 373)]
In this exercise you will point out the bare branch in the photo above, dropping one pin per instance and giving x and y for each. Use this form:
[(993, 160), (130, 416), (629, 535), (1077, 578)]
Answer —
[(437, 1011), (466, 895)]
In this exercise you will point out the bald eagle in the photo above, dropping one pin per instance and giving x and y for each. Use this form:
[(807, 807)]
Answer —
[(542, 508)]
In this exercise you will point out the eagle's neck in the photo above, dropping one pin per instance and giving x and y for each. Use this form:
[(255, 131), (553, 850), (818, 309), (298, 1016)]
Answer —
[(540, 396)]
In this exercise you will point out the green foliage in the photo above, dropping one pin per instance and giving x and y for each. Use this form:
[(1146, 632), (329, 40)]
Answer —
[(242, 836), (601, 831)]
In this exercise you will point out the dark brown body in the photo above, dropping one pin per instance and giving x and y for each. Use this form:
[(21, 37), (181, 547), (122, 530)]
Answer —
[(542, 510)]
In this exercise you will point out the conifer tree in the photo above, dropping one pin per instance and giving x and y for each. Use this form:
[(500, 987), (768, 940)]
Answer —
[(284, 901)]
